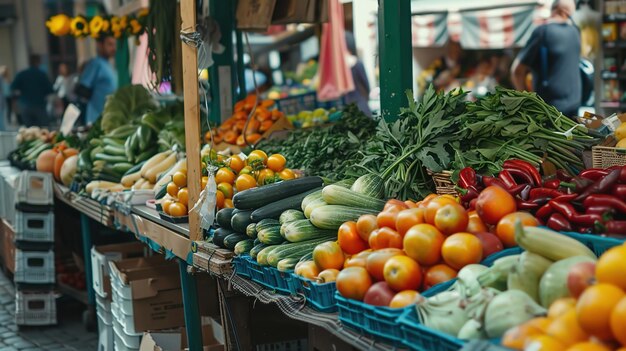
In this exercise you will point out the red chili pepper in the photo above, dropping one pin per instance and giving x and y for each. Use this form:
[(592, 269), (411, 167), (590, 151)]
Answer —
[(489, 181), (544, 192), (544, 212), (593, 173), (559, 223), (565, 198), (468, 194), (552, 184), (526, 205), (525, 166), (507, 179), (615, 227), (585, 230), (622, 175), (568, 210), (599, 210), (521, 176), (562, 175), (517, 189), (541, 200), (619, 190), (602, 185), (467, 177), (605, 200), (581, 184)]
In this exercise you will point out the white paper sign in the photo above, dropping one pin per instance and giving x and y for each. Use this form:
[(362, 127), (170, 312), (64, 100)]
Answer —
[(70, 116)]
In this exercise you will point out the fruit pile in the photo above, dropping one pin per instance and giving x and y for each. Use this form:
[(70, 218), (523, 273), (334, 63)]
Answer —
[(620, 136), (306, 119)]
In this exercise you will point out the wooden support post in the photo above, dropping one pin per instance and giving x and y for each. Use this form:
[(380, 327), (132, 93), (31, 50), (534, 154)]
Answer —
[(192, 116)]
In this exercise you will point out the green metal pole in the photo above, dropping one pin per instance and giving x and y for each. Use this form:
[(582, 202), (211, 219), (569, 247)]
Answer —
[(394, 46), (190, 306), (222, 74)]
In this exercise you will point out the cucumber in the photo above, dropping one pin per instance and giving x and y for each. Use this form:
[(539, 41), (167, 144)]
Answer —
[(219, 235), (313, 205), (122, 167), (317, 195), (370, 185), (161, 192), (294, 250), (266, 223), (274, 210), (333, 216), (290, 216), (270, 236), (336, 195), (251, 230), (257, 242), (244, 246), (222, 217), (118, 143), (231, 240), (261, 196), (287, 264), (134, 168), (255, 250), (303, 230), (109, 158), (240, 220), (261, 257), (114, 150)]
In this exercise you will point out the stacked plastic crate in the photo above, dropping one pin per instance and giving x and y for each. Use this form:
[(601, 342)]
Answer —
[(34, 276)]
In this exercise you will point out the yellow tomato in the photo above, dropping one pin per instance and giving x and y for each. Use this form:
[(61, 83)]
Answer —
[(219, 196), (228, 203), (257, 156), (287, 174), (235, 163), (183, 196), (178, 210), (180, 179), (172, 189), (224, 175), (165, 205), (204, 182), (276, 162), (227, 189), (245, 182), (265, 176)]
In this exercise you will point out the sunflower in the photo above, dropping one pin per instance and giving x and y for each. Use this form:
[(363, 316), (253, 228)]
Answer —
[(79, 26)]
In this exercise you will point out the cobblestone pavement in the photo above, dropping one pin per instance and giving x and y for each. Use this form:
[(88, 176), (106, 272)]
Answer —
[(68, 335)]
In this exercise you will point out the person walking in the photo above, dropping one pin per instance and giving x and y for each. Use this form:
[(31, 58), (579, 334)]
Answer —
[(552, 54), (32, 86), (98, 79)]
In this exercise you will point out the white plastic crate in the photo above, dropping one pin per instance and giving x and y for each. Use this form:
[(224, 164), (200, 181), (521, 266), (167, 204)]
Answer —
[(103, 307), (124, 341), (105, 333), (8, 196), (33, 226), (100, 258), (35, 308), (34, 267), (34, 188), (8, 143)]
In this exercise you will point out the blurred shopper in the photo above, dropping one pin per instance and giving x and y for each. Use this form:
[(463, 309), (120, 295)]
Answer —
[(63, 85), (31, 86), (552, 54), (97, 80), (360, 94), (443, 73)]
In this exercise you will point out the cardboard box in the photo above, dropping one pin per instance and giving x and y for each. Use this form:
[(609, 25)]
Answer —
[(101, 255), (157, 301), (177, 340), (254, 15)]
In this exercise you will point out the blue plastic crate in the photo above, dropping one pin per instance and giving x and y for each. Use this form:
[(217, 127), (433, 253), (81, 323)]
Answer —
[(279, 281), (420, 338), (351, 313), (241, 266), (258, 273), (597, 243), (319, 296), (506, 252)]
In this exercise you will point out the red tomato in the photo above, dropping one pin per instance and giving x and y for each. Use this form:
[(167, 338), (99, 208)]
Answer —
[(437, 274), (365, 225), (349, 239), (423, 243), (385, 237), (402, 273), (408, 218), (375, 264), (494, 203)]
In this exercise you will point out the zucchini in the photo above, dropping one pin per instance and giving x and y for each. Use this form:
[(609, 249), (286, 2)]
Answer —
[(261, 196), (370, 185), (222, 217), (336, 195), (114, 150), (109, 158), (162, 191), (240, 220), (270, 236), (231, 240), (251, 230), (275, 209), (287, 264), (261, 257), (134, 169), (266, 223), (122, 167), (254, 251), (333, 216), (294, 250), (219, 235), (313, 205), (257, 242), (317, 195), (244, 246), (290, 216), (304, 230)]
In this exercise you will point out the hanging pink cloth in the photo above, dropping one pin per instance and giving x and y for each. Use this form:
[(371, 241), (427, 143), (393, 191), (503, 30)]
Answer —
[(334, 72)]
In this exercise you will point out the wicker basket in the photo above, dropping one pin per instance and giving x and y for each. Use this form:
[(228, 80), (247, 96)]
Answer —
[(606, 156), (443, 183)]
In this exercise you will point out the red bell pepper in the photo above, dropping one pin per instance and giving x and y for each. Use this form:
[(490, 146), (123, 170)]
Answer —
[(467, 177), (559, 223), (605, 200)]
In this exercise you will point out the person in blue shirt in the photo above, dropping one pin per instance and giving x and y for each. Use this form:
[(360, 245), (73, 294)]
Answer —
[(98, 79), (32, 86)]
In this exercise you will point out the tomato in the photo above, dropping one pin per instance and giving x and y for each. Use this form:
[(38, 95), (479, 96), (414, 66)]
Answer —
[(328, 255), (165, 205), (219, 196), (353, 283), (307, 269), (349, 239), (246, 170), (434, 205), (410, 204), (408, 218), (227, 189), (451, 218), (256, 157), (494, 203), (228, 203), (203, 182), (183, 196), (224, 175), (438, 274), (384, 238), (178, 210), (180, 179), (387, 219), (405, 298), (235, 163), (365, 225), (475, 224), (395, 205), (172, 189), (358, 260), (506, 226), (426, 200), (402, 273), (265, 176), (276, 162), (461, 249), (423, 243), (245, 182), (287, 174), (376, 262), (328, 275)]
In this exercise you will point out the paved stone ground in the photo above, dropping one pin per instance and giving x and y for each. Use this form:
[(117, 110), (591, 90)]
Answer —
[(68, 335)]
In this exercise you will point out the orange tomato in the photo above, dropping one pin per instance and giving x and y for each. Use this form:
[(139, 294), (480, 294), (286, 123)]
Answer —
[(286, 174), (461, 249), (405, 298), (227, 189), (228, 203), (245, 182), (618, 321), (307, 269), (230, 137), (349, 240), (408, 218), (353, 283), (328, 275), (516, 337), (475, 224), (451, 218), (494, 203), (266, 125), (375, 263), (253, 138), (235, 163), (240, 140), (203, 182), (543, 343), (588, 346), (426, 200), (541, 323), (328, 255), (265, 176), (423, 243), (178, 210), (395, 205), (594, 309), (610, 267), (172, 189), (224, 175), (276, 162), (437, 274), (505, 230), (410, 204), (387, 219), (402, 273), (165, 205), (257, 156), (561, 306), (365, 225), (385, 238), (246, 170), (565, 329), (183, 196), (219, 196), (434, 205), (180, 179), (358, 260)]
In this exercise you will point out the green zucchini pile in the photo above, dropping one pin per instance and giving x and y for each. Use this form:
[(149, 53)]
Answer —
[(280, 224)]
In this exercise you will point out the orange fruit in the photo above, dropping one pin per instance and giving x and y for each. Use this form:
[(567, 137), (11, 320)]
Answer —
[(256, 157), (543, 343), (228, 203), (165, 205), (227, 189), (461, 249), (618, 321), (172, 189), (610, 267), (224, 175), (594, 309), (286, 174), (276, 162), (265, 176), (235, 163), (180, 179), (494, 203), (588, 346), (204, 182), (183, 196), (561, 306), (541, 323), (405, 298), (219, 199), (246, 170), (244, 182), (565, 329), (423, 243), (328, 255), (506, 226), (516, 337), (178, 210)]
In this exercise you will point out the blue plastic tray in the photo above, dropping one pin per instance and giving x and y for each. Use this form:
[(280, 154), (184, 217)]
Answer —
[(420, 338), (241, 266), (279, 281), (258, 273), (319, 296)]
